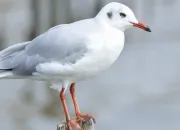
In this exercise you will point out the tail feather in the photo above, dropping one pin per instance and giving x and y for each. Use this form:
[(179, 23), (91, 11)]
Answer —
[(9, 53), (6, 74)]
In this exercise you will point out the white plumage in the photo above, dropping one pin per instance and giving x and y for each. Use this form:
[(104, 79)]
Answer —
[(71, 52)]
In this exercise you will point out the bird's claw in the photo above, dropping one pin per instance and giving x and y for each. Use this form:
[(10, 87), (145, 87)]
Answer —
[(85, 117), (73, 125)]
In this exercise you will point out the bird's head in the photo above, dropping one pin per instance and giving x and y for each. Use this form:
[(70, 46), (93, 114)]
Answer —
[(120, 16)]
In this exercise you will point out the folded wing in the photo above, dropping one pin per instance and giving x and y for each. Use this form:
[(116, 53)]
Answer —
[(59, 44)]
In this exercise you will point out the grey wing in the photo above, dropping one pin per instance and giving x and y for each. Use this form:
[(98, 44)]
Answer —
[(60, 45), (7, 55)]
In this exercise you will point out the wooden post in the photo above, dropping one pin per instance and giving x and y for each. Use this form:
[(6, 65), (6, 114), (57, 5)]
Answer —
[(89, 125)]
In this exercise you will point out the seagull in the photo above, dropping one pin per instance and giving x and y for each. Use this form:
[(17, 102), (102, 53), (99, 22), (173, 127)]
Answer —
[(69, 53)]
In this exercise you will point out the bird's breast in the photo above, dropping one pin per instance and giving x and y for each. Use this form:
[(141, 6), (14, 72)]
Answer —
[(102, 54), (110, 49)]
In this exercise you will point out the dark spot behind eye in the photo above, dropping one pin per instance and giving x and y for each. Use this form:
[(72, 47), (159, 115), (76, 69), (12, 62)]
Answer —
[(109, 14), (123, 15)]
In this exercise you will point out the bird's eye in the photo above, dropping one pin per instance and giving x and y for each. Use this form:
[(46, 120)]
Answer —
[(123, 15)]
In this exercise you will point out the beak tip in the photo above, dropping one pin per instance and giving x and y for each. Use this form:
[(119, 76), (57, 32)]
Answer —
[(148, 29)]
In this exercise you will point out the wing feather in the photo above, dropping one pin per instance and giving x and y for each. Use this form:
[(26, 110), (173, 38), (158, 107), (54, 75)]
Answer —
[(60, 45)]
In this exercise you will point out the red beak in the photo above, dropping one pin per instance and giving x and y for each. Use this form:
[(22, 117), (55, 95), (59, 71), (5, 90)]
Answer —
[(141, 26)]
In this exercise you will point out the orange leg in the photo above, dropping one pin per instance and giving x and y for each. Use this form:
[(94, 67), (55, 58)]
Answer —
[(80, 117), (72, 91), (72, 125)]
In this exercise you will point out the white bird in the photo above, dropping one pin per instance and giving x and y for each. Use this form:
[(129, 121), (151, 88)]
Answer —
[(68, 53)]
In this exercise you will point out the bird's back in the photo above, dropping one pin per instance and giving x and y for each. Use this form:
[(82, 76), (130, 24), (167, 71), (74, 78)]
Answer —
[(63, 43)]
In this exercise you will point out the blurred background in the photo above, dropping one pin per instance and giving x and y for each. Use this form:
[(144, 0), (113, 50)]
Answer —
[(140, 91)]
